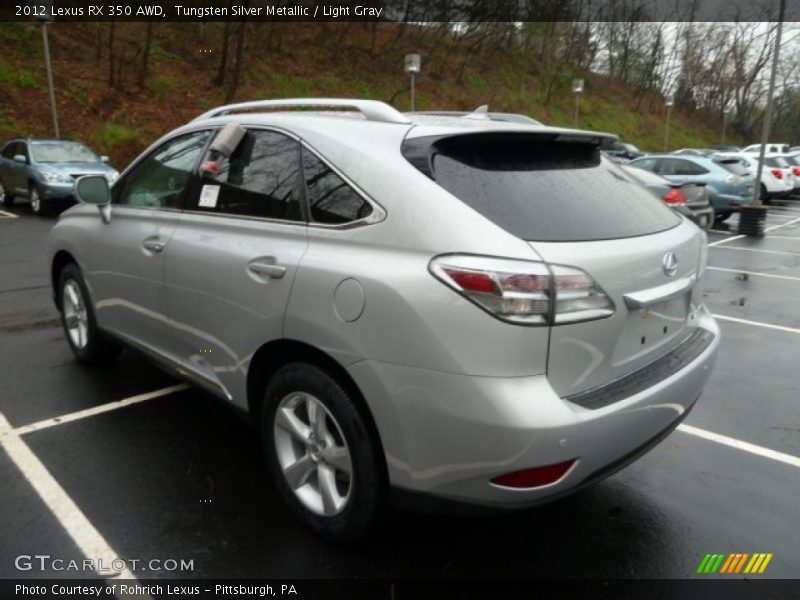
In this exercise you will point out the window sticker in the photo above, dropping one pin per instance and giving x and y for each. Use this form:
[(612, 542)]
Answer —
[(208, 196)]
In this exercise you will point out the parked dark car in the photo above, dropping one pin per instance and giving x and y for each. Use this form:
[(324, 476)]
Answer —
[(690, 199), (623, 151), (729, 183), (44, 171)]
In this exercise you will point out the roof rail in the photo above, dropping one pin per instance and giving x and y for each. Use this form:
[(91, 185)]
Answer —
[(373, 110)]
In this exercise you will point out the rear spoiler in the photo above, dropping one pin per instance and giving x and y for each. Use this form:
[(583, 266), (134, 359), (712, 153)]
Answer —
[(420, 151)]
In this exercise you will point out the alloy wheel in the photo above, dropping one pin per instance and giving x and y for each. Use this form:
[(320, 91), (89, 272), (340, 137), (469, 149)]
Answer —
[(36, 201), (76, 319), (313, 454)]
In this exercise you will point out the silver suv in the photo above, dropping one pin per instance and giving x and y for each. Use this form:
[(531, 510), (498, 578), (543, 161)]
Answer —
[(450, 307)]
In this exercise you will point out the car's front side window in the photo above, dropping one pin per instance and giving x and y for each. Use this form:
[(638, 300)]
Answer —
[(159, 180), (260, 179)]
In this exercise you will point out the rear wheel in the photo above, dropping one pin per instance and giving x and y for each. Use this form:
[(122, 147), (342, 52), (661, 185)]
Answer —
[(5, 196), (327, 464), (764, 195), (77, 317), (723, 216)]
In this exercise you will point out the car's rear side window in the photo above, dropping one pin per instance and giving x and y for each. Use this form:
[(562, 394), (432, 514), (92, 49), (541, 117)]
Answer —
[(543, 189), (260, 179), (733, 165), (330, 199)]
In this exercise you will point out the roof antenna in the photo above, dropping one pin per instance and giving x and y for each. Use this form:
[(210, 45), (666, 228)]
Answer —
[(482, 112)]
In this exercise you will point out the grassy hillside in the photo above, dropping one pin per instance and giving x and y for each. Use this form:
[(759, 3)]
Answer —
[(289, 60)]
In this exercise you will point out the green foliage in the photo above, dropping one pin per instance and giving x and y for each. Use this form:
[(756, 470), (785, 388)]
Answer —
[(110, 135), (12, 76), (163, 84)]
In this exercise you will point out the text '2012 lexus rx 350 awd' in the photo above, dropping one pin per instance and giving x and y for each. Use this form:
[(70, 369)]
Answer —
[(449, 307)]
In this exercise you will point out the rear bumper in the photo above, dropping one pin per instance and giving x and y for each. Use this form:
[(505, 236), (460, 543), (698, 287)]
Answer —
[(448, 435)]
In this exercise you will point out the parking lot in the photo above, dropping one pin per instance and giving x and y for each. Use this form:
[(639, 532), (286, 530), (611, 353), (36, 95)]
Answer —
[(170, 473)]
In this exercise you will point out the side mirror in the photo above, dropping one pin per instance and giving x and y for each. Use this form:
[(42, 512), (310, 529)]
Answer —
[(20, 158), (93, 189), (104, 159)]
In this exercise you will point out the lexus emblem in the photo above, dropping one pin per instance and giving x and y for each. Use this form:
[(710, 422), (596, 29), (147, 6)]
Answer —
[(669, 264)]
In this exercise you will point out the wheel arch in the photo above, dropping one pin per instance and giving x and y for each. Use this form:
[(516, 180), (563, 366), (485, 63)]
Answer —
[(60, 260), (273, 355)]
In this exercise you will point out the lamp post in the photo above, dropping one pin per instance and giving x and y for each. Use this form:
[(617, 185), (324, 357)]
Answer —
[(669, 102), (46, 18), (753, 218), (413, 66), (577, 88), (726, 116)]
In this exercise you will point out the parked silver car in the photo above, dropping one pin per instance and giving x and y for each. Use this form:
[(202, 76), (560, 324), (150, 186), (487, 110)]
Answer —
[(466, 310)]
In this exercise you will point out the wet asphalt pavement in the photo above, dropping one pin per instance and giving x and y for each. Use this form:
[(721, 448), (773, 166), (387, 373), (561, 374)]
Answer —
[(181, 476)]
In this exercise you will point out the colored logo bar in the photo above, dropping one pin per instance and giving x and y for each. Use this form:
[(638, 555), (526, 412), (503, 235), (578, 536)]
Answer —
[(737, 562)]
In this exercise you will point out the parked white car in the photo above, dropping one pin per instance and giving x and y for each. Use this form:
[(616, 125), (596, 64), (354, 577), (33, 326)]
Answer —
[(770, 148), (777, 176)]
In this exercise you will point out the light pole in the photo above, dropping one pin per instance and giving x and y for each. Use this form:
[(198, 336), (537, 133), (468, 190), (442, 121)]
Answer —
[(726, 115), (413, 66), (577, 88), (753, 218), (669, 102), (45, 19)]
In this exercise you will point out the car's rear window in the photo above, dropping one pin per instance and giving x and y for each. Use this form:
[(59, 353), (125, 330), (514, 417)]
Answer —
[(733, 165), (542, 189), (776, 161)]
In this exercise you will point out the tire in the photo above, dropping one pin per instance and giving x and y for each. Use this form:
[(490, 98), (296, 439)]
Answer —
[(37, 202), (78, 320), (5, 196), (764, 195), (723, 216), (357, 502)]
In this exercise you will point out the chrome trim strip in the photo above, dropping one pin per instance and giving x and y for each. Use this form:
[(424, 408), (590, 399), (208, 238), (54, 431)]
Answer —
[(662, 293)]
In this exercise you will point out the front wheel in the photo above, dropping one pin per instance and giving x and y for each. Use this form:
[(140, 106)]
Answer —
[(723, 216), (325, 460), (77, 317), (37, 204), (5, 196)]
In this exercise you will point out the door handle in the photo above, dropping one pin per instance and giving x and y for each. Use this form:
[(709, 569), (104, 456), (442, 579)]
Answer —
[(154, 244), (266, 269)]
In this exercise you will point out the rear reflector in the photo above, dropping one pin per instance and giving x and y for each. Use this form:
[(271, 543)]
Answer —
[(536, 477)]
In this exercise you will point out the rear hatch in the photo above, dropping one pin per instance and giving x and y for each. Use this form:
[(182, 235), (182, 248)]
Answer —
[(696, 195), (579, 210)]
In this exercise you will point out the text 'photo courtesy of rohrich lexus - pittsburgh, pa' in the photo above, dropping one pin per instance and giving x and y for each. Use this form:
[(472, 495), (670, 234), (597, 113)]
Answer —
[(440, 310)]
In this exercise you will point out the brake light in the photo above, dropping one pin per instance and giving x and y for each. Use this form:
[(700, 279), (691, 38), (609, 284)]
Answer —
[(778, 173), (524, 292), (796, 171), (536, 477), (675, 197)]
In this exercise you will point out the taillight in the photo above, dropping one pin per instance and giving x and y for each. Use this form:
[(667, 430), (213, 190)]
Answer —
[(796, 171), (675, 197), (778, 173), (536, 477), (524, 292)]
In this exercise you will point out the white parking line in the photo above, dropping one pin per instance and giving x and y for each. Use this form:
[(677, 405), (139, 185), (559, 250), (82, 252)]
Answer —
[(738, 237), (740, 445), (90, 542), (753, 273), (95, 410), (758, 324), (7, 215), (758, 250)]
